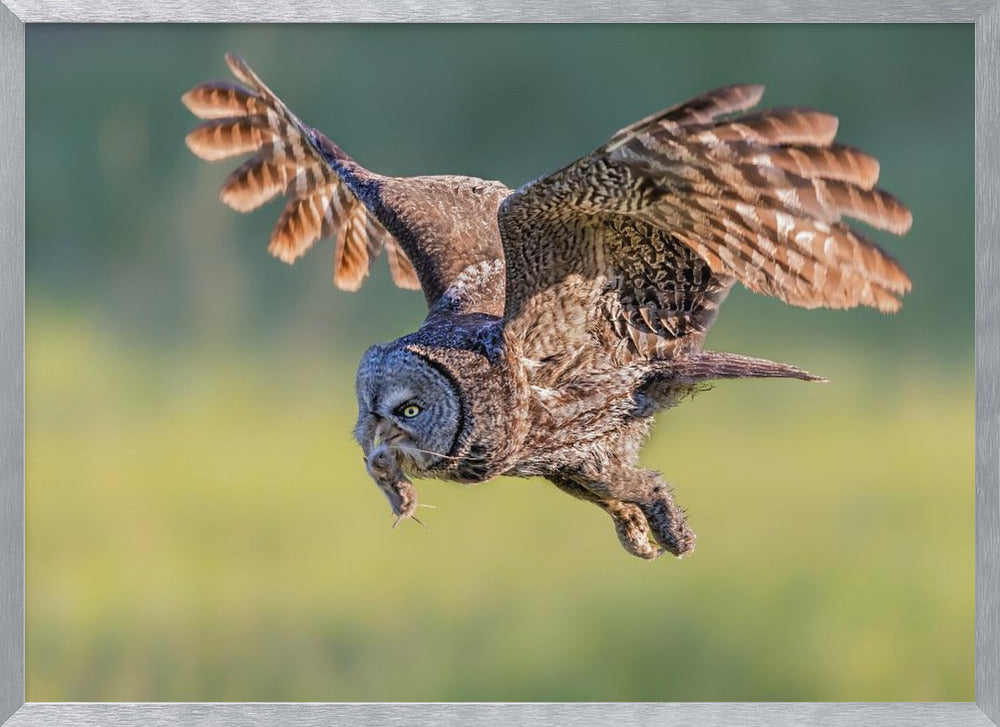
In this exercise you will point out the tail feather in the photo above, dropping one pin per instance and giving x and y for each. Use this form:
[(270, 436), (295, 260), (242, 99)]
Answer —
[(708, 365)]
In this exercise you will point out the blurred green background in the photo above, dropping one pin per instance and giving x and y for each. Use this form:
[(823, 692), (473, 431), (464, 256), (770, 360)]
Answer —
[(200, 525)]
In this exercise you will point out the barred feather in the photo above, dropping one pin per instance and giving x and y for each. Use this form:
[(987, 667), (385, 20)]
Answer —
[(221, 99), (300, 225), (229, 137), (841, 163), (709, 106), (776, 126), (352, 257), (256, 182), (400, 267), (700, 110), (290, 158), (761, 198)]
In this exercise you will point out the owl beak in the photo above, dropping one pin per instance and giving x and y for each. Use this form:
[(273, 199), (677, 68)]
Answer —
[(388, 440), (384, 431), (380, 450)]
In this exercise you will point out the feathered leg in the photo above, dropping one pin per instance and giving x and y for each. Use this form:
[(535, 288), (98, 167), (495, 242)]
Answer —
[(640, 503), (630, 524), (666, 519)]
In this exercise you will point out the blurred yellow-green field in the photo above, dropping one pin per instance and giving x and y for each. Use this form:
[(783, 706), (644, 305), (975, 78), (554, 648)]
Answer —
[(207, 532), (199, 522)]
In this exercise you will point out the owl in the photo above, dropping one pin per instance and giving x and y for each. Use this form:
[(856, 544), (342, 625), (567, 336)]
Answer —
[(563, 315)]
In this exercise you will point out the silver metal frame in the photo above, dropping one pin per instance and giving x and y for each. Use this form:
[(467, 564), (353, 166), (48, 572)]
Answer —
[(14, 712)]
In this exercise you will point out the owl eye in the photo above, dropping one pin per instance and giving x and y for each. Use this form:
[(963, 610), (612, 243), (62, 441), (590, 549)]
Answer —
[(410, 410)]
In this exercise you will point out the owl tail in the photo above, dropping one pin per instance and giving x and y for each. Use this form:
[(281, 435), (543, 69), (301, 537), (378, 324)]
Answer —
[(707, 365)]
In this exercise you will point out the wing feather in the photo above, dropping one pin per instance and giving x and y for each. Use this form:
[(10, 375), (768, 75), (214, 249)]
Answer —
[(289, 158), (400, 266), (759, 198), (221, 99)]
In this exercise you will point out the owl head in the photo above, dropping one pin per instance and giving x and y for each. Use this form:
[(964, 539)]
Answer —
[(409, 405), (439, 404)]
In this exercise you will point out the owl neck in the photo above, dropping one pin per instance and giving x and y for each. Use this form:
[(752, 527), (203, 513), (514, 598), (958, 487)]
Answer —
[(492, 396)]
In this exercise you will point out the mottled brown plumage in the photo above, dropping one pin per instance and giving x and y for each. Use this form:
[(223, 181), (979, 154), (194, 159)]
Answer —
[(565, 314)]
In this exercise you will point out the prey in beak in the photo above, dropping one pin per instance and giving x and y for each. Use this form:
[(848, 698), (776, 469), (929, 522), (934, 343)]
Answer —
[(382, 460)]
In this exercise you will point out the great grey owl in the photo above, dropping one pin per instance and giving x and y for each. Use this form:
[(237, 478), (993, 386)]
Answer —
[(563, 315)]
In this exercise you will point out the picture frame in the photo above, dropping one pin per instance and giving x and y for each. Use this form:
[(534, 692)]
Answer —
[(985, 14)]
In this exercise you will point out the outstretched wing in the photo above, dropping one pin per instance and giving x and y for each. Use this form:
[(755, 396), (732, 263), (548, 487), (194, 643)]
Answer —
[(289, 158), (636, 245)]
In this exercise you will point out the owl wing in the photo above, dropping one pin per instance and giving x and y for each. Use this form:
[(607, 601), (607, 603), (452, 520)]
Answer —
[(292, 159), (637, 244)]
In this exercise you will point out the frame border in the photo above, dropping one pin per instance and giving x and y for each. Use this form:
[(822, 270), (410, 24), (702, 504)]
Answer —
[(984, 712)]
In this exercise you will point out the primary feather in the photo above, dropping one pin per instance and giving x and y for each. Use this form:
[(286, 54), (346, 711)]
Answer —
[(290, 158)]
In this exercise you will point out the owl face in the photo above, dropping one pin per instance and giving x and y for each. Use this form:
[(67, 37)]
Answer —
[(406, 406)]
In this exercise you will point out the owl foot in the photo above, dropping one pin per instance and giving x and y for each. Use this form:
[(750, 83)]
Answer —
[(631, 524), (632, 528), (667, 522), (647, 519)]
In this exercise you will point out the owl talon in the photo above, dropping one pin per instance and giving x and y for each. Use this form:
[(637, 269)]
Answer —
[(667, 524), (632, 529)]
